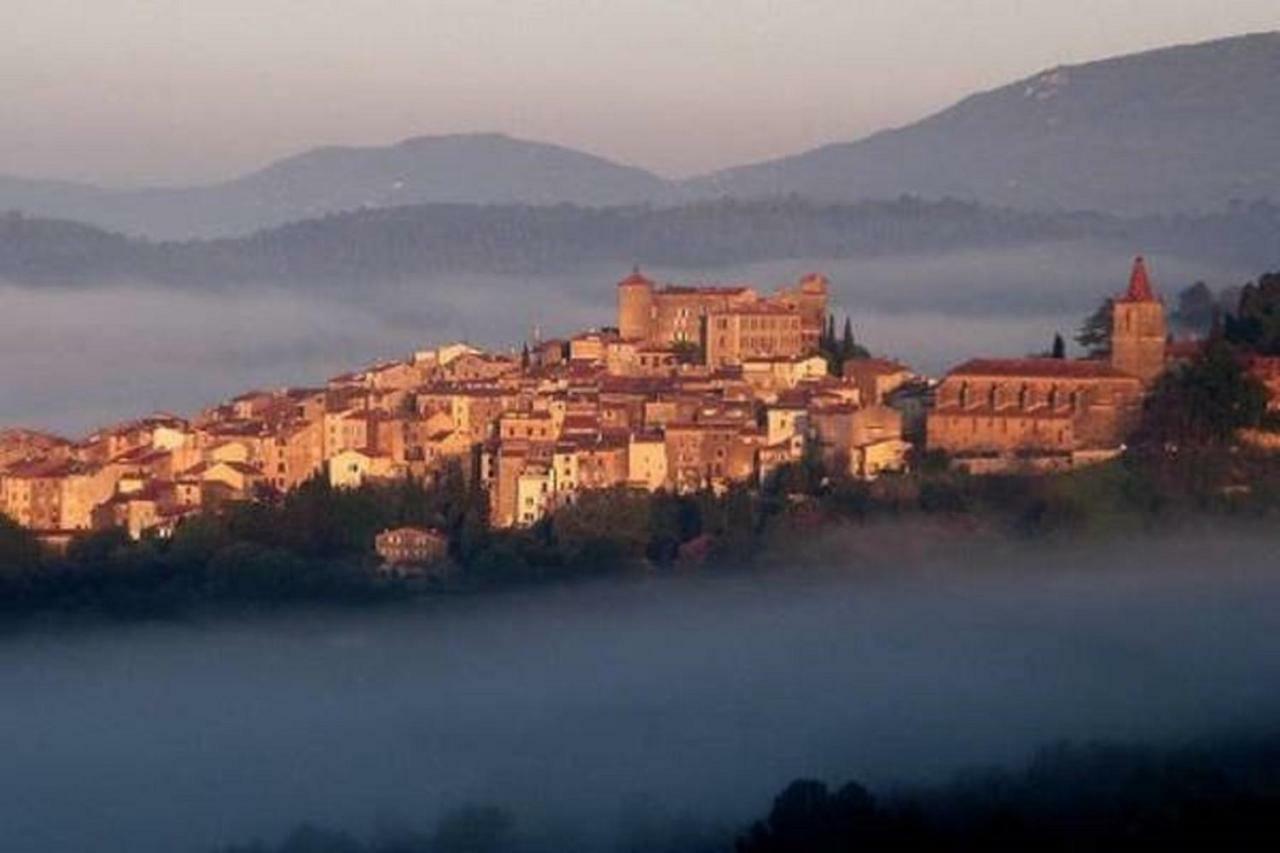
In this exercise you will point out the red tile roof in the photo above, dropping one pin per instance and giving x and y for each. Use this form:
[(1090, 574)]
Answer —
[(879, 366), (1139, 284), (703, 290), (1041, 413), (1055, 368), (635, 279)]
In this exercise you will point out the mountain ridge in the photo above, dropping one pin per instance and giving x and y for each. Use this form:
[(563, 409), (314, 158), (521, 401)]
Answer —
[(1112, 135), (462, 168), (1187, 128)]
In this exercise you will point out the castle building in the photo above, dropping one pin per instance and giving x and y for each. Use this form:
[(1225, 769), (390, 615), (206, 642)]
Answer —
[(735, 322), (762, 330)]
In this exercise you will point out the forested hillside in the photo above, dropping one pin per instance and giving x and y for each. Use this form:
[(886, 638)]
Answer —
[(409, 242)]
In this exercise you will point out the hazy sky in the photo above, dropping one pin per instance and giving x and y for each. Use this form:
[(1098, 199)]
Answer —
[(145, 91)]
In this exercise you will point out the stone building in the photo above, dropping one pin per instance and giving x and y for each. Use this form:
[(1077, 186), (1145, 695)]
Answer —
[(678, 315), (1044, 412), (1138, 330), (993, 414), (406, 550), (760, 330), (876, 378), (866, 440)]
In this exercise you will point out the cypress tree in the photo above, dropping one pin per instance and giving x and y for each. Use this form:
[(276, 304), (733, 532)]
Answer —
[(847, 345)]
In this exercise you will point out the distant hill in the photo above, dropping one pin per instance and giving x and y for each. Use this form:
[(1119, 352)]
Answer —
[(411, 243), (1182, 129), (1186, 128), (462, 169)]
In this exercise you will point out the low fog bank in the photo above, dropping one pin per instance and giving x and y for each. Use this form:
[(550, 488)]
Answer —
[(700, 695), (74, 360)]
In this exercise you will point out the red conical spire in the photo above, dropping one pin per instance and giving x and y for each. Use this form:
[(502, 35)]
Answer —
[(1139, 284)]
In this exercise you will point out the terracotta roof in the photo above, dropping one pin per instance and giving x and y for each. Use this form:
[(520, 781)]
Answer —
[(22, 434), (703, 290), (635, 279), (251, 395), (44, 468), (1265, 365), (879, 366), (1056, 368), (756, 308), (1183, 349), (430, 532), (1038, 413), (1139, 284)]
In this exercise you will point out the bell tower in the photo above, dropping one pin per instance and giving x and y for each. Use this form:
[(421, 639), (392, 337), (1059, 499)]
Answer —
[(1138, 330)]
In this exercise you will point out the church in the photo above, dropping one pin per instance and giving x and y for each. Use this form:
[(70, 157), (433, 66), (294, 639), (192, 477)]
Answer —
[(1004, 414)]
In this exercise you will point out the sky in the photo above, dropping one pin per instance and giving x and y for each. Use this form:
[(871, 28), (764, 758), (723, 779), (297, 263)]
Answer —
[(142, 92)]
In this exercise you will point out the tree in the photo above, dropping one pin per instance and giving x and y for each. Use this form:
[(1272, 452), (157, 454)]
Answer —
[(19, 550), (1204, 403), (1255, 325), (1196, 309), (603, 528), (99, 547), (688, 352), (850, 348), (524, 357), (1095, 332), (474, 829), (1059, 346), (808, 816)]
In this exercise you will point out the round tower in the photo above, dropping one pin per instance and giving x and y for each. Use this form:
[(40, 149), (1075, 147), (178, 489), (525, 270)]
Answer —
[(635, 307)]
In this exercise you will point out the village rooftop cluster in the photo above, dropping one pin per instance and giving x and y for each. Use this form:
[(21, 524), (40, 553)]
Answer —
[(693, 388)]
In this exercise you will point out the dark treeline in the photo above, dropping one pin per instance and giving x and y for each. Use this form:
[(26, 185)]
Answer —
[(1209, 796), (313, 544), (1214, 794), (411, 242)]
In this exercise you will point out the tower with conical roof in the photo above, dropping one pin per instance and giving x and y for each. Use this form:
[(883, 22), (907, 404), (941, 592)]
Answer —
[(1138, 330), (635, 307)]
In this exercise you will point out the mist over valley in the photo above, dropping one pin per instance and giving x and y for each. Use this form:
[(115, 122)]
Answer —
[(76, 359), (578, 706)]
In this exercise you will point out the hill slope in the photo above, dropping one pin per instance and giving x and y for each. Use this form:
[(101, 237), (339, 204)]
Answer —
[(1181, 129), (412, 243), (1178, 129), (462, 169)]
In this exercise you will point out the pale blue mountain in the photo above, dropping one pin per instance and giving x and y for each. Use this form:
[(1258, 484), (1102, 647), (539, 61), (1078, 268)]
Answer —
[(462, 169), (1186, 128)]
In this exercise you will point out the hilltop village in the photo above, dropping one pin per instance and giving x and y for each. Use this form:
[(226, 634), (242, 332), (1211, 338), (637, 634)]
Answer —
[(694, 388)]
